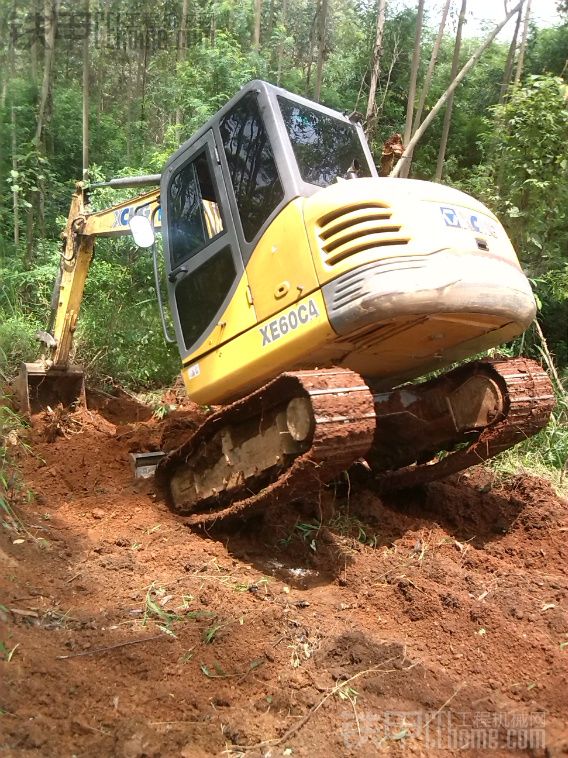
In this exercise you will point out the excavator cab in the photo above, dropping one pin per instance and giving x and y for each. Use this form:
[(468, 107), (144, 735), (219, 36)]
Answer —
[(225, 187)]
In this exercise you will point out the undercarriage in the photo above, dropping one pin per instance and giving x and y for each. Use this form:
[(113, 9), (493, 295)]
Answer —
[(300, 431)]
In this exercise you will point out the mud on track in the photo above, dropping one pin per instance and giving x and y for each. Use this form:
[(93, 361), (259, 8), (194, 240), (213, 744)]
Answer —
[(447, 606)]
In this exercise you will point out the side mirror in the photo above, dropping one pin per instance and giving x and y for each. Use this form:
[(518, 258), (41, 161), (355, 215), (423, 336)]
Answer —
[(142, 231)]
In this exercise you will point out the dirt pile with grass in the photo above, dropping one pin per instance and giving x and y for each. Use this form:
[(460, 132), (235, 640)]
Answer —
[(433, 620)]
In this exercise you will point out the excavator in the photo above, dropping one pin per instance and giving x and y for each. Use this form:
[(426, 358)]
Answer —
[(309, 298)]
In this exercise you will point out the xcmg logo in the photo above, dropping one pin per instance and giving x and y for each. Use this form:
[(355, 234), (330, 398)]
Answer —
[(122, 216)]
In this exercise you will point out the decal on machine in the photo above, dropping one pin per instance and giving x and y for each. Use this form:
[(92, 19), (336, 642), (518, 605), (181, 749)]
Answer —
[(290, 321), (122, 216), (450, 216), (460, 218)]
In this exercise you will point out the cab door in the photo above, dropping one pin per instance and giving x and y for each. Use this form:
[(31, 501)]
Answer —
[(203, 261)]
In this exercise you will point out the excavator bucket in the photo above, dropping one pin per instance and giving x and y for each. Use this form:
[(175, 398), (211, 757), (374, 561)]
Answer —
[(38, 387)]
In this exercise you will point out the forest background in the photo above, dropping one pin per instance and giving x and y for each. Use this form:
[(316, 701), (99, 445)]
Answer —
[(158, 70)]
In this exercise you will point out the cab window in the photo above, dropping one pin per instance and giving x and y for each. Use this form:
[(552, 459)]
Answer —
[(252, 168), (193, 209), (326, 148), (199, 296)]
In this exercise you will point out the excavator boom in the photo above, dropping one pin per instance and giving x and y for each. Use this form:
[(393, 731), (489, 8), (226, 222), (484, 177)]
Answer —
[(54, 379)]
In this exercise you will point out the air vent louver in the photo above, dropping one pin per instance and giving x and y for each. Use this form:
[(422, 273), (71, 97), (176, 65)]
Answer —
[(363, 227)]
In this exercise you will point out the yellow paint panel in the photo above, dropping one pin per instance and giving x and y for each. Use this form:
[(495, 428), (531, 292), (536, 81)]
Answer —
[(281, 270), (353, 223), (408, 348), (280, 344), (75, 267)]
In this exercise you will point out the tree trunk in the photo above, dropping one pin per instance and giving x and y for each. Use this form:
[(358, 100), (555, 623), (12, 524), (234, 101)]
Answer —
[(428, 79), (86, 95), (270, 20), (144, 71), (431, 64), (510, 60), (281, 44), (523, 48), (443, 99), (16, 198), (35, 46), (182, 36), (182, 48), (450, 103), (311, 46), (257, 18), (51, 10), (395, 55), (8, 69), (129, 114), (371, 113), (213, 24), (412, 84), (322, 27)]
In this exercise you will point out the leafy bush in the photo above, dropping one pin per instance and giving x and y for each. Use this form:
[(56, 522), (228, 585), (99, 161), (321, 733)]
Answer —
[(17, 343), (120, 334)]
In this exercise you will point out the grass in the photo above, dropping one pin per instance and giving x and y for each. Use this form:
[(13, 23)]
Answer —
[(209, 634), (545, 455), (347, 525), (11, 487), (155, 599), (7, 653), (341, 523)]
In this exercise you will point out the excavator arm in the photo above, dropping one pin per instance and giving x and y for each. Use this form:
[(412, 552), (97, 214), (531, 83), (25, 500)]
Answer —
[(53, 378)]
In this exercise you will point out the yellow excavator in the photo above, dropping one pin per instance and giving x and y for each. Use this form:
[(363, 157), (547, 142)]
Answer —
[(305, 292)]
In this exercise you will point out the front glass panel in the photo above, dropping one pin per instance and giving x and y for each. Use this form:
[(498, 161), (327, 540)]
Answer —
[(252, 167), (325, 147), (194, 217)]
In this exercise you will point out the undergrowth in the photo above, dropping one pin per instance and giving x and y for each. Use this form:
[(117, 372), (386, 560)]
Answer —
[(544, 455), (11, 488)]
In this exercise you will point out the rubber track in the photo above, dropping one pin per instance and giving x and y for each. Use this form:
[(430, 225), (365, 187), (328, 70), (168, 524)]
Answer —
[(345, 424), (529, 401)]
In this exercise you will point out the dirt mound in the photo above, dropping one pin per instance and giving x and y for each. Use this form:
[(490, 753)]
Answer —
[(118, 408), (431, 620)]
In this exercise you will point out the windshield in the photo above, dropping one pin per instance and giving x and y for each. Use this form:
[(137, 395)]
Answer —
[(325, 147)]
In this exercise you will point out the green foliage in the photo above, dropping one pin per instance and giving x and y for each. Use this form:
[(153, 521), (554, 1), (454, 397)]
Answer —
[(548, 50), (120, 335), (11, 490), (17, 343), (24, 306), (524, 178), (545, 454), (531, 142)]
